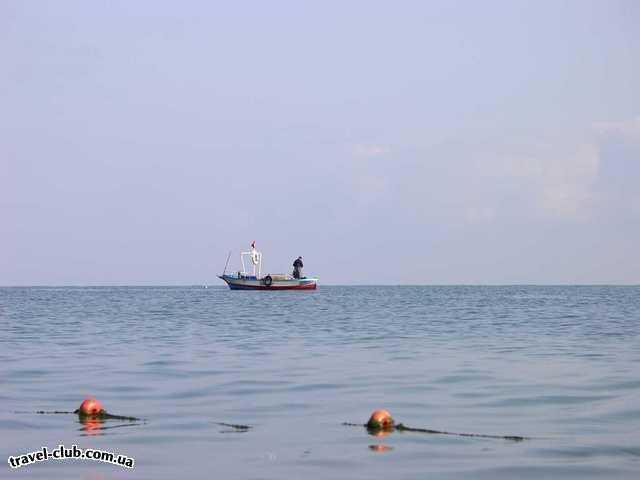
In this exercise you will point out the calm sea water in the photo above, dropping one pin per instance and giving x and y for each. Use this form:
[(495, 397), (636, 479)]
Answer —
[(558, 364)]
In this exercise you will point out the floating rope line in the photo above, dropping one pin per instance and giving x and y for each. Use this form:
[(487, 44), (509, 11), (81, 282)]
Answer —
[(90, 409), (235, 427), (515, 438), (403, 428), (50, 412), (381, 421), (102, 415)]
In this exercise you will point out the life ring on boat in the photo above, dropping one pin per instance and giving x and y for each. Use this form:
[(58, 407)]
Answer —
[(268, 280), (255, 257)]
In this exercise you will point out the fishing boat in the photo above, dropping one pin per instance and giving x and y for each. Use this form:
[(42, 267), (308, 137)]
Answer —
[(254, 280)]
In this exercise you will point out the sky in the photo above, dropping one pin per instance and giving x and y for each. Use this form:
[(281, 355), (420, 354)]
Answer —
[(404, 142)]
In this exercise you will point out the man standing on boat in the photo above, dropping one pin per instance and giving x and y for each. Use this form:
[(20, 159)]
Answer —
[(297, 267)]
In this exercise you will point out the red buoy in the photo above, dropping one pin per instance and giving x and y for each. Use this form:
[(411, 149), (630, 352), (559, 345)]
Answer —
[(380, 420), (90, 406)]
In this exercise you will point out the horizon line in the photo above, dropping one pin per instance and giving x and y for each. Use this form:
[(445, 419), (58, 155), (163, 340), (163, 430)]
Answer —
[(206, 286)]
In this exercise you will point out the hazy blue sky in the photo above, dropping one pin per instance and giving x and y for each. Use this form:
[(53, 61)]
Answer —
[(386, 142)]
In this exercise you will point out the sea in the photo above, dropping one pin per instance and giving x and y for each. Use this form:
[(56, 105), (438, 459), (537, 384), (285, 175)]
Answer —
[(259, 384)]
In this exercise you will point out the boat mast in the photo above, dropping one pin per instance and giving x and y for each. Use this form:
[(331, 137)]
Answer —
[(256, 259), (226, 264)]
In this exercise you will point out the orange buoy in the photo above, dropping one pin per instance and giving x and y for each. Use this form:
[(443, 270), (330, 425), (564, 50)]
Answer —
[(380, 420), (90, 406)]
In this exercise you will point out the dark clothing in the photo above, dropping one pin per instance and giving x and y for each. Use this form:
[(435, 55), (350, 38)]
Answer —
[(297, 268)]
